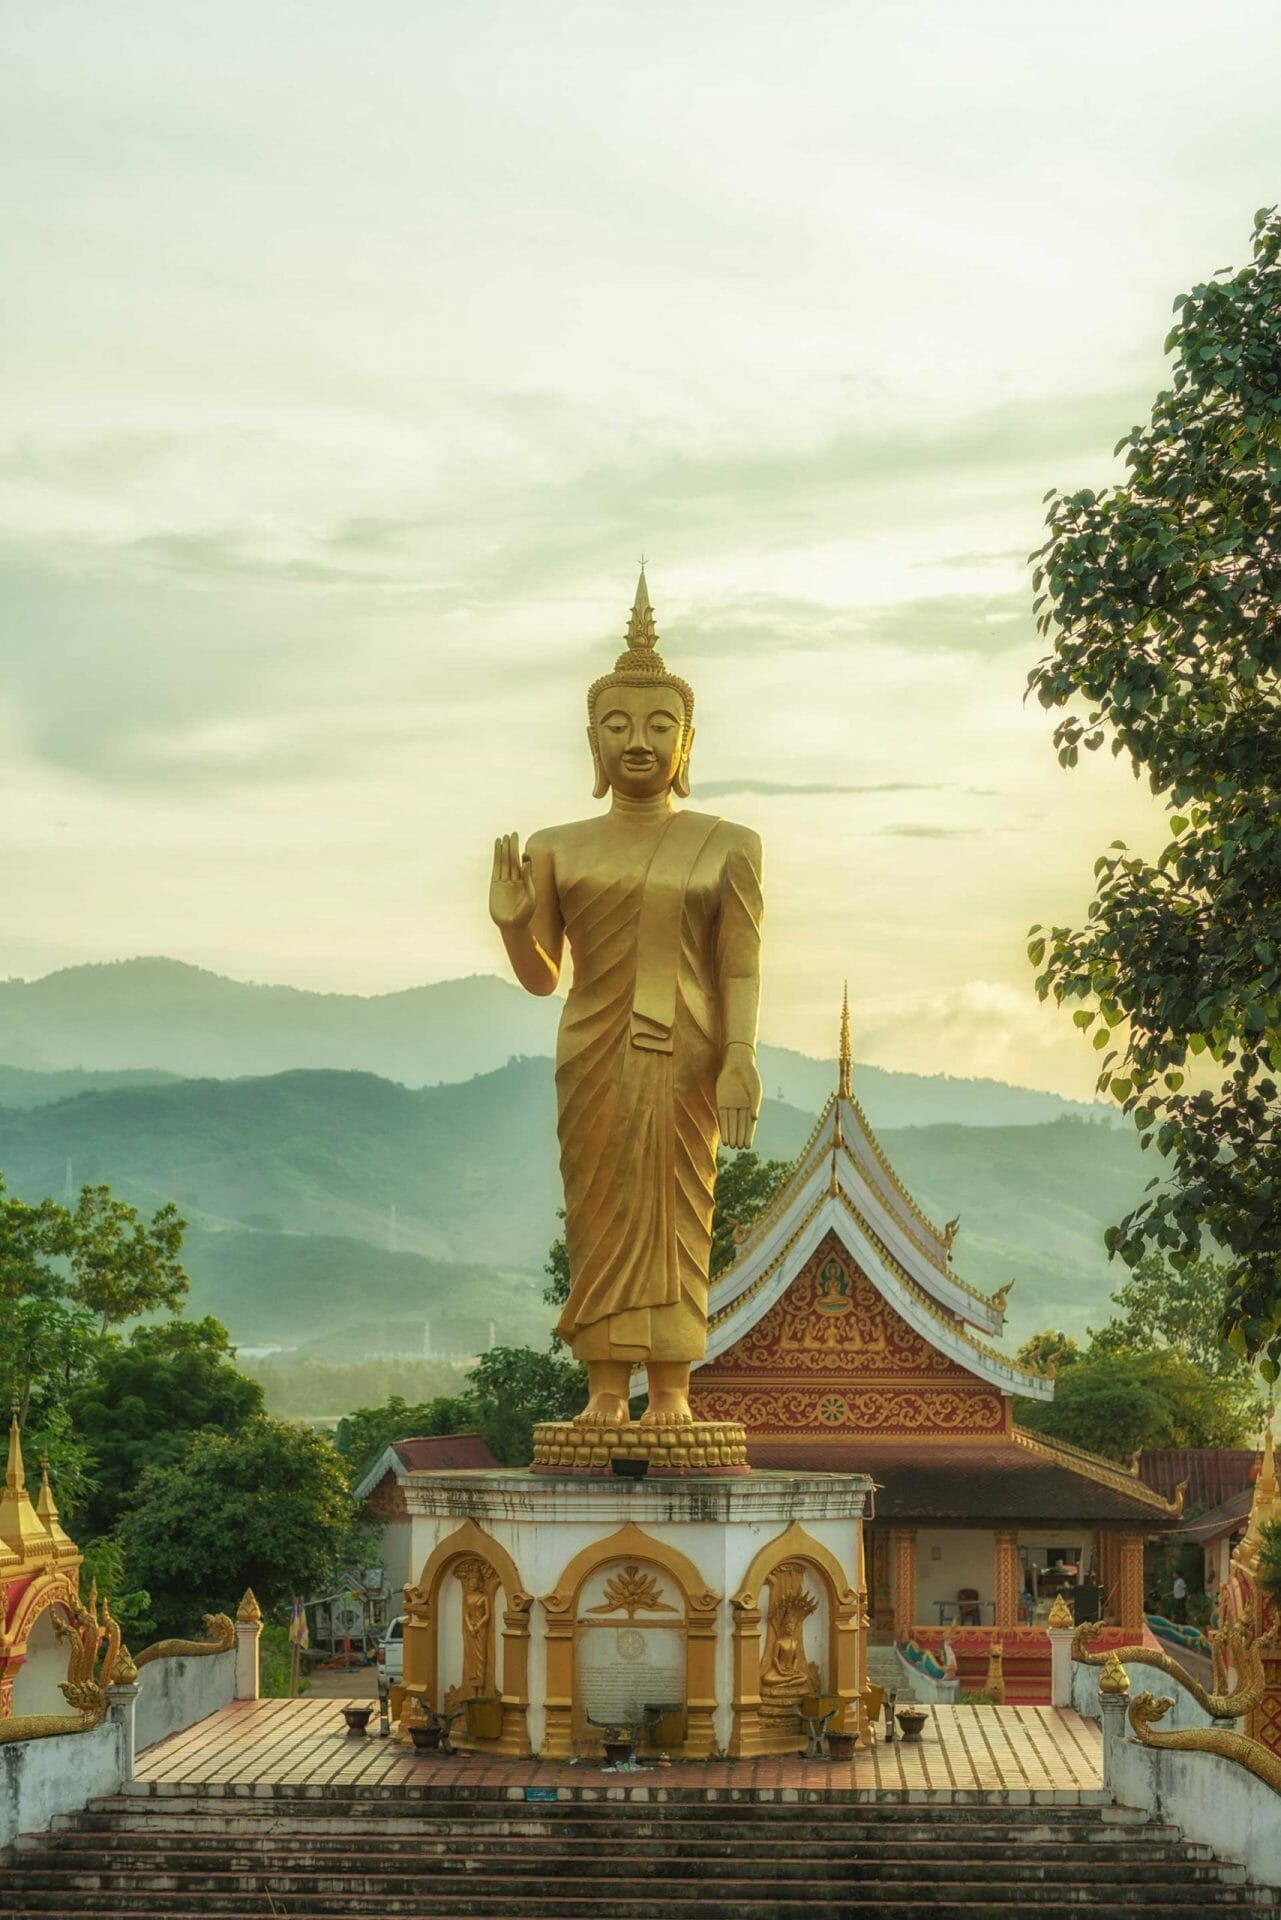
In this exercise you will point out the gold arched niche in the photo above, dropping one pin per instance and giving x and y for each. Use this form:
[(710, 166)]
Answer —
[(48, 1588), (748, 1735), (422, 1630), (561, 1609)]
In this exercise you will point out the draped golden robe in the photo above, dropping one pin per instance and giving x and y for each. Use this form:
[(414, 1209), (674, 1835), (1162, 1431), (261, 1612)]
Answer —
[(637, 1060)]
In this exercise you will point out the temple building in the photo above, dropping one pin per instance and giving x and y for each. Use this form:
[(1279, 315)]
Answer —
[(842, 1337)]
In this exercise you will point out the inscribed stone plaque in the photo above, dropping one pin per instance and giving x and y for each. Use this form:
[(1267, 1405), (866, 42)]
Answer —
[(622, 1670)]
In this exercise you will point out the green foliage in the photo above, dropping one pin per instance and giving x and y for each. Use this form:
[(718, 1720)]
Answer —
[(66, 1275), (512, 1388), (275, 1663), (1116, 1402), (121, 1265), (1159, 597), (1179, 1307), (103, 1563), (556, 1267), (1049, 1349), (367, 1432), (265, 1507), (745, 1185), (1270, 1559), (144, 1401)]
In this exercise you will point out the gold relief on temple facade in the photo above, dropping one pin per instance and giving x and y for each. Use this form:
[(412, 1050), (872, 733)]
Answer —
[(632, 1592), (832, 1317), (887, 1412), (787, 1676)]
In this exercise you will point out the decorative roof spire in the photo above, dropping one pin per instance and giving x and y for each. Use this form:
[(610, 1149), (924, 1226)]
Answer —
[(15, 1476), (49, 1513), (845, 1085), (1266, 1504), (21, 1527)]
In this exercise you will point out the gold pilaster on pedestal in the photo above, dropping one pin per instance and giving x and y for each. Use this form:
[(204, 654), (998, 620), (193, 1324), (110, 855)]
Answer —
[(716, 1447)]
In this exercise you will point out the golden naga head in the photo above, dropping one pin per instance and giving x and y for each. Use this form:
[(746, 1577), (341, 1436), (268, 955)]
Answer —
[(640, 717)]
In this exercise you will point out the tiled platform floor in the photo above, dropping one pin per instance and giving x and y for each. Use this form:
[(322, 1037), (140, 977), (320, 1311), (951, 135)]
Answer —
[(261, 1743)]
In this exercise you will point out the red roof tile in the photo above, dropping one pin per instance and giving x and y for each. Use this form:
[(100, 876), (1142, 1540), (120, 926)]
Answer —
[(434, 1450), (1213, 1474)]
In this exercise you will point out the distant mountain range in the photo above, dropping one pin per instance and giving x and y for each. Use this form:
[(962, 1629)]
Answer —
[(328, 1205), (141, 1020)]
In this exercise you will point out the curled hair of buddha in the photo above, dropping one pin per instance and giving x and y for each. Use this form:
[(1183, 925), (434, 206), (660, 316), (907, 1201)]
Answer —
[(641, 665)]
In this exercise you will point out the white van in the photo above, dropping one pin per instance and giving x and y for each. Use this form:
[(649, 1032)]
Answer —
[(391, 1652)]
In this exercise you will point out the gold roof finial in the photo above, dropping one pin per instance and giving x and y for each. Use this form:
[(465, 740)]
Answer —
[(48, 1512), (21, 1527), (1266, 1502), (15, 1477), (1060, 1614), (845, 1084), (1114, 1679)]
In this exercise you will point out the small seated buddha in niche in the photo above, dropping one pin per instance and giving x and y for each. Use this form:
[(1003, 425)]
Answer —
[(656, 1056)]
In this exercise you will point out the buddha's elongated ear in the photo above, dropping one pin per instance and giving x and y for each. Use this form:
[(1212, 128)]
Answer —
[(601, 788), (680, 780)]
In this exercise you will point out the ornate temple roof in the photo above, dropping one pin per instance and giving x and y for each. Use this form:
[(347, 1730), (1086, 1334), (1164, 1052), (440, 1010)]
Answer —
[(842, 1182)]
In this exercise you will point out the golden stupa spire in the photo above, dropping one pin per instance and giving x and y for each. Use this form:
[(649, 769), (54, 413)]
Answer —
[(845, 1085), (1265, 1505), (48, 1512), (21, 1527)]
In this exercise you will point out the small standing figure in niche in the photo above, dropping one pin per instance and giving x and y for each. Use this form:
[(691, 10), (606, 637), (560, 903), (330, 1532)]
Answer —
[(656, 1058)]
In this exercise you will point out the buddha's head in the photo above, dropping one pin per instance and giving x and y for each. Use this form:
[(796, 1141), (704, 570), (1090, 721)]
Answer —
[(640, 718)]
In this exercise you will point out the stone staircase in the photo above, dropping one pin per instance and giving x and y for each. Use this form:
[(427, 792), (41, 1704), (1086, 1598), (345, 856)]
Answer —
[(225, 1854)]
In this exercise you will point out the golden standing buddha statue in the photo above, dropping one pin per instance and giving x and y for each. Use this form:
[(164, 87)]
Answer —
[(656, 1058)]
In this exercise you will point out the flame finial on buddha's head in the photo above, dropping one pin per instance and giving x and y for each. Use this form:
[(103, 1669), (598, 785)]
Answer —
[(641, 665)]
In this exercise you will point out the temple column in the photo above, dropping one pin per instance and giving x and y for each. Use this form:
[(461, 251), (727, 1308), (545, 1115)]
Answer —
[(1130, 1603), (903, 1554), (1107, 1576), (1006, 1576)]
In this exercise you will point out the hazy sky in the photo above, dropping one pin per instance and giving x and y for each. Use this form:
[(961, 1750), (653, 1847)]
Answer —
[(354, 352)]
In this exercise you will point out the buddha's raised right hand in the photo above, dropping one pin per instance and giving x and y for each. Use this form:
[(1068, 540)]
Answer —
[(511, 886)]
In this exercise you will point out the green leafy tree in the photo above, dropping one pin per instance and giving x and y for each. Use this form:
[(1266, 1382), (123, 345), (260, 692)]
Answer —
[(67, 1276), (1159, 597), (1178, 1307), (1044, 1351), (103, 1565), (266, 1507), (1116, 1403), (46, 1338), (123, 1265), (512, 1388), (745, 1185), (146, 1398), (368, 1431)]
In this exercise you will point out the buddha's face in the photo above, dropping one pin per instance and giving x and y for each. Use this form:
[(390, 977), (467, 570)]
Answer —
[(640, 735)]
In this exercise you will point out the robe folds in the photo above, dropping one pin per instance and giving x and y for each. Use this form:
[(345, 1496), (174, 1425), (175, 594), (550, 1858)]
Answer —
[(638, 1055)]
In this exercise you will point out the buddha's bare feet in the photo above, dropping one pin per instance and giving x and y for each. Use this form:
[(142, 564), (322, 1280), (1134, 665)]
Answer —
[(603, 1410), (668, 1394), (668, 1407)]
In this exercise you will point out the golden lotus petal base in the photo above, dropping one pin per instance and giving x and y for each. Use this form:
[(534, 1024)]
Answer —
[(715, 1447)]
